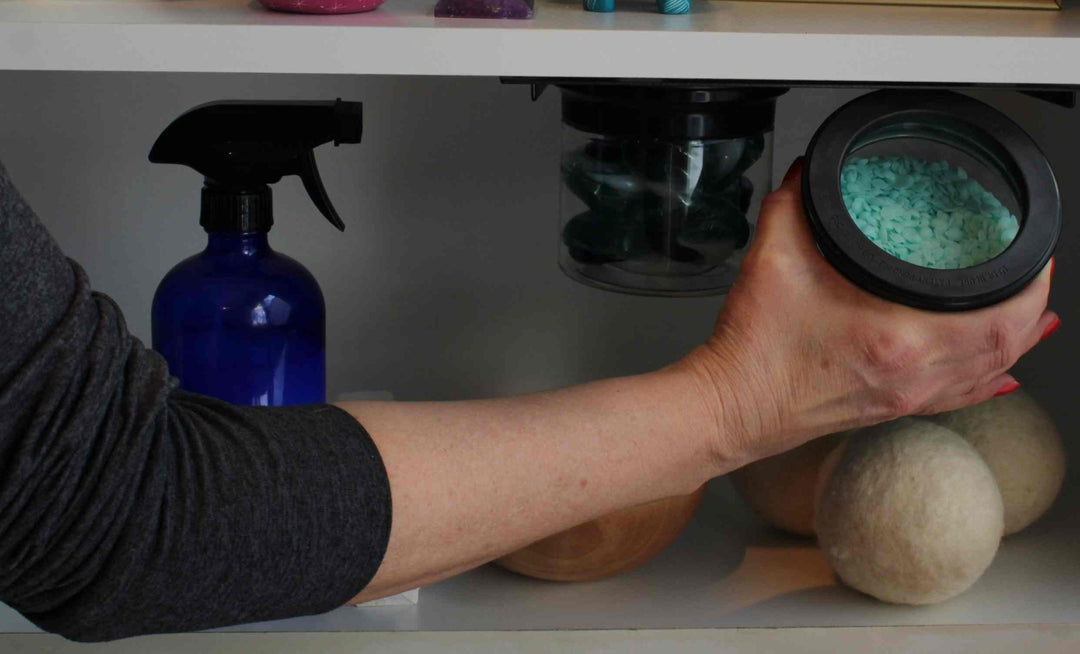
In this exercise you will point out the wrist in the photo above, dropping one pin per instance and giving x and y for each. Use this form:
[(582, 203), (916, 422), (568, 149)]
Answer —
[(726, 404)]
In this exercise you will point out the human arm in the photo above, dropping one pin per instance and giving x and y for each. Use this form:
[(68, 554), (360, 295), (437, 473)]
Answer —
[(798, 352), (212, 515), (129, 507), (473, 480)]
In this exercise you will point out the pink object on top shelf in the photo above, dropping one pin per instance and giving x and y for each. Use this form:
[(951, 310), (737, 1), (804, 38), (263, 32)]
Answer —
[(322, 6)]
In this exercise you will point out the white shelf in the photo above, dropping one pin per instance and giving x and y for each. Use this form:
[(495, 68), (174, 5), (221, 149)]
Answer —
[(727, 571), (719, 40)]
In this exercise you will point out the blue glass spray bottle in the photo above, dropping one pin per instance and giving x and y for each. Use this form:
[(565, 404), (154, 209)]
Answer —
[(239, 321)]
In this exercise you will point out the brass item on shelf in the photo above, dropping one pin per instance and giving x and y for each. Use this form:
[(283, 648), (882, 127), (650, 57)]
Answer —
[(998, 4)]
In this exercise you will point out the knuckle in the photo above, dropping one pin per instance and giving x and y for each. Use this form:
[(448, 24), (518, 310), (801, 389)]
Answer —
[(899, 403), (891, 352), (768, 262), (779, 200), (1042, 287), (1001, 341)]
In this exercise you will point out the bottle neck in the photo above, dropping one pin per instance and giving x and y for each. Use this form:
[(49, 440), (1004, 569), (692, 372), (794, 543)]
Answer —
[(246, 243)]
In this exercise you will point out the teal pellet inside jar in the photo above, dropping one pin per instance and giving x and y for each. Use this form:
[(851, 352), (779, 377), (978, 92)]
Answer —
[(929, 204)]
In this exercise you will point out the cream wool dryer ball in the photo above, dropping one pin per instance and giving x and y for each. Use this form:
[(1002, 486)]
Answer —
[(780, 488), (908, 512), (1020, 443)]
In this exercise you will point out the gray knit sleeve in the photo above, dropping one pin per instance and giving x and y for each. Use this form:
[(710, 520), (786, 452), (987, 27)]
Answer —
[(130, 507)]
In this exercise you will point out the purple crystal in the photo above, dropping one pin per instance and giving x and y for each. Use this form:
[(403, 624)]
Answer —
[(514, 9)]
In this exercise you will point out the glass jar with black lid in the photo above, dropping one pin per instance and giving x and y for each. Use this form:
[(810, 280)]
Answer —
[(661, 183), (956, 146)]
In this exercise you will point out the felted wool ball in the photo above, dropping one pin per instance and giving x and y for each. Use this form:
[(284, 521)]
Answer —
[(780, 488), (908, 512), (1023, 448)]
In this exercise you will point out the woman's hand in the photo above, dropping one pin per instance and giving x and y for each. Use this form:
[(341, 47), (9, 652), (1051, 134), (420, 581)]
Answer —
[(799, 351)]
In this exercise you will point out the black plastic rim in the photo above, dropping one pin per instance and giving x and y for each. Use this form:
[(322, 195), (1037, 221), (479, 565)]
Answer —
[(670, 112), (964, 123)]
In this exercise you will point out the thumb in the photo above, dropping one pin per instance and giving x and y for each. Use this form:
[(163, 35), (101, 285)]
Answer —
[(794, 173), (782, 222)]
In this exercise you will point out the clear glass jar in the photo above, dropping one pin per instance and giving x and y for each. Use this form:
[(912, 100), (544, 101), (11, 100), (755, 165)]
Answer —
[(661, 187), (981, 181)]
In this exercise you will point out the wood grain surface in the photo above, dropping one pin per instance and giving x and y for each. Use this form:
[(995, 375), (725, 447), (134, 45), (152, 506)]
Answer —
[(607, 546)]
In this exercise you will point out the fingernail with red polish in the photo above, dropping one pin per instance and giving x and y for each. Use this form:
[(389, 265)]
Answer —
[(1050, 329), (1053, 264), (1007, 388)]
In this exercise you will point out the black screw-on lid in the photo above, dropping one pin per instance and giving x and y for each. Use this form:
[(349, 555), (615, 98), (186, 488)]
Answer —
[(242, 147), (227, 209), (963, 123), (669, 111)]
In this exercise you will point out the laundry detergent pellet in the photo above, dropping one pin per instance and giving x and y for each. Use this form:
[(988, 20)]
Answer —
[(926, 213)]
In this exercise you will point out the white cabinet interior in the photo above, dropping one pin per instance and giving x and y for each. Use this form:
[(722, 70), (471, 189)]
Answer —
[(457, 178)]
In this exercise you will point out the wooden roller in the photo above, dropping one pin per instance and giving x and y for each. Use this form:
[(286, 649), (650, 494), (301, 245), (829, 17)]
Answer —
[(607, 546)]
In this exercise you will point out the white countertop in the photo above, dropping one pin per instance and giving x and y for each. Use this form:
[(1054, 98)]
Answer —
[(726, 573)]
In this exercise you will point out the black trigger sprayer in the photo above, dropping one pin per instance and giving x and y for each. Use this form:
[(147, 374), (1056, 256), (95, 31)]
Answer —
[(240, 321)]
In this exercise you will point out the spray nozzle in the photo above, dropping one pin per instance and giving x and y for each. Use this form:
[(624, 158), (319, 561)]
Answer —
[(242, 147)]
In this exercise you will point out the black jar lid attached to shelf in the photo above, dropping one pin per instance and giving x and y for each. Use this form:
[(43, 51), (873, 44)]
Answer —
[(1010, 161), (676, 111)]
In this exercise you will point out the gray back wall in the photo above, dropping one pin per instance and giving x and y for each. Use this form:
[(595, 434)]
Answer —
[(444, 284)]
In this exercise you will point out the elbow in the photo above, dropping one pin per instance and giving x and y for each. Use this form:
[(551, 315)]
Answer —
[(83, 626)]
